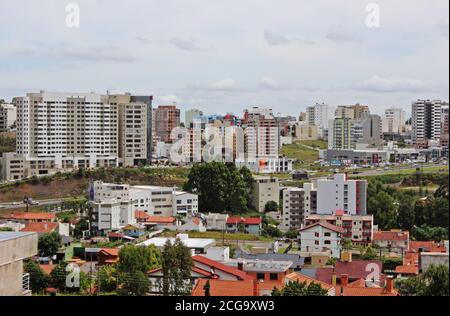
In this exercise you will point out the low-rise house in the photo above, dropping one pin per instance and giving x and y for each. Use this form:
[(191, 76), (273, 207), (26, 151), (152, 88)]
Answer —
[(396, 242), (321, 236), (297, 261), (193, 224), (40, 227), (249, 225), (134, 231), (161, 222), (108, 256), (428, 259), (215, 221), (226, 288)]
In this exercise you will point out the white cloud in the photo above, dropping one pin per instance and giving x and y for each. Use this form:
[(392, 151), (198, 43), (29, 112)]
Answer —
[(393, 84), (340, 35), (274, 39), (224, 85), (168, 99), (185, 44)]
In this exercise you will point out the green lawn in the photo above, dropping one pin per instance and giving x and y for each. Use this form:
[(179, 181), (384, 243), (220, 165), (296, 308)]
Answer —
[(299, 152)]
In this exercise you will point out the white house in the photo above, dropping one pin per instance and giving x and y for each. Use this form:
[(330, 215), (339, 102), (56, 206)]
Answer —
[(321, 236)]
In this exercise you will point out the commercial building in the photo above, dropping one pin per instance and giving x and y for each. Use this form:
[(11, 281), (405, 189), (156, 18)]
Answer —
[(167, 117), (266, 189), (426, 120), (14, 248), (368, 131), (8, 116), (357, 157)]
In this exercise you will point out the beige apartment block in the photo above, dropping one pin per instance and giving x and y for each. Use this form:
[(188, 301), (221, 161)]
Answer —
[(14, 248), (266, 189)]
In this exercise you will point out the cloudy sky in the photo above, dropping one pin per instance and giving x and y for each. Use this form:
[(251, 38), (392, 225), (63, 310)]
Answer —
[(227, 55)]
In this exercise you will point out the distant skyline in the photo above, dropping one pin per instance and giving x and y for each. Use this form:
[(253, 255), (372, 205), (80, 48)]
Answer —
[(225, 56)]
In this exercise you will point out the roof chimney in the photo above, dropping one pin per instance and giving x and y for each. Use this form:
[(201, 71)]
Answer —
[(255, 288), (333, 279), (344, 280), (390, 284)]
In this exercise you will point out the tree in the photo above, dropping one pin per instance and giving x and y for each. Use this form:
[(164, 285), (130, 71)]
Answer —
[(39, 280), (347, 244), (107, 278), (300, 289), (134, 263), (271, 206), (220, 187), (291, 234), (49, 243), (433, 282), (69, 279), (176, 266), (80, 227), (272, 231), (369, 254), (406, 214), (382, 206)]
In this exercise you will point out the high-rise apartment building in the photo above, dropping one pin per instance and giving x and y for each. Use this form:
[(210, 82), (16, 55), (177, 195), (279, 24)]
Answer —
[(368, 130), (394, 120), (167, 117), (354, 112), (297, 204), (190, 115), (266, 189), (444, 126), (66, 131), (340, 134), (319, 115), (426, 120), (343, 194), (8, 115)]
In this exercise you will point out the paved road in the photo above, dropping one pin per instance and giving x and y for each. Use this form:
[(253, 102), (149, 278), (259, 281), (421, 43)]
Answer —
[(20, 204)]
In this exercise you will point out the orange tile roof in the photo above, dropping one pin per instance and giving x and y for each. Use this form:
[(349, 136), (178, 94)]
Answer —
[(111, 251), (160, 219), (407, 269), (40, 227), (364, 291), (141, 215), (33, 216), (220, 266), (390, 235), (225, 288), (298, 277)]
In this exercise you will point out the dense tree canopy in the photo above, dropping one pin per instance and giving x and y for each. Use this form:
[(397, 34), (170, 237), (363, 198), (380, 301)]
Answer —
[(49, 243), (300, 289), (433, 282), (221, 187)]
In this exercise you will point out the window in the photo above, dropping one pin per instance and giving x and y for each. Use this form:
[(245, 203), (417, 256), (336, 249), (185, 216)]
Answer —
[(327, 242), (327, 234), (273, 276), (316, 234), (260, 276)]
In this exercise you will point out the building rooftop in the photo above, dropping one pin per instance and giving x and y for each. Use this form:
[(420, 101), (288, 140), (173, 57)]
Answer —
[(390, 235), (325, 225), (40, 227), (225, 288), (244, 220), (4, 236), (192, 243), (297, 261)]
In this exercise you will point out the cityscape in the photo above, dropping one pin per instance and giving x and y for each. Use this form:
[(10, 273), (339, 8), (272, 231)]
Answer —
[(137, 194)]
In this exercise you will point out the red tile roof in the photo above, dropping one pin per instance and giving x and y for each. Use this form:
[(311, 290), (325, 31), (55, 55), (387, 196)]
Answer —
[(390, 235), (407, 269), (40, 227), (225, 288), (427, 246), (244, 220), (33, 216), (222, 267), (325, 225), (355, 270), (115, 235)]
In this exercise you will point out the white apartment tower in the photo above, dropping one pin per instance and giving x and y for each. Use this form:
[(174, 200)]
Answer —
[(8, 115), (394, 120), (319, 115), (426, 120)]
